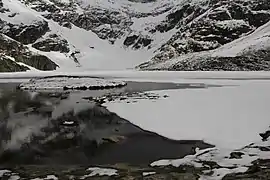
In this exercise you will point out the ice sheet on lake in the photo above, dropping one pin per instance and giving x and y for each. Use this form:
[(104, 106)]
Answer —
[(215, 115), (229, 117)]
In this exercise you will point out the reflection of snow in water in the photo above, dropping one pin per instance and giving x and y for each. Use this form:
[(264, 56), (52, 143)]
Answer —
[(23, 128)]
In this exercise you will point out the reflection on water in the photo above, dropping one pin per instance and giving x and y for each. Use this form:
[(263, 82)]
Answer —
[(46, 127)]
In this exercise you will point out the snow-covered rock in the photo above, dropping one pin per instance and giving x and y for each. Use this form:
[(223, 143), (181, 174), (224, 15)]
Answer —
[(96, 171), (65, 82), (250, 52)]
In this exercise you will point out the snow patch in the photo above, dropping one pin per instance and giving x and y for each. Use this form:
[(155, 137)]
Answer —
[(231, 24), (68, 123), (259, 39), (148, 173), (15, 177), (96, 171), (2, 172), (222, 157)]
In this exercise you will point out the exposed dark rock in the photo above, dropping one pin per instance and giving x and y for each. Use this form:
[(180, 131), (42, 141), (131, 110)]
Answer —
[(250, 61), (130, 40), (7, 65), (198, 31), (259, 170), (43, 7), (67, 25), (259, 18), (39, 62), (74, 57), (223, 64), (25, 34), (264, 148), (236, 155), (219, 15), (107, 24), (53, 43), (265, 135), (196, 27), (137, 42), (21, 53)]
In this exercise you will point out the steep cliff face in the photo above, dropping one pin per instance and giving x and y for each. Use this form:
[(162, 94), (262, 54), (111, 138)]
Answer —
[(209, 28), (119, 34)]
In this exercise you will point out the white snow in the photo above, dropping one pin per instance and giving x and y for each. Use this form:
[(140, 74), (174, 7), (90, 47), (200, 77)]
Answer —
[(221, 157), (81, 40), (69, 82), (129, 6), (24, 16), (231, 24), (51, 177), (229, 117), (68, 123), (96, 171), (259, 39), (15, 177), (2, 172), (148, 173), (102, 53)]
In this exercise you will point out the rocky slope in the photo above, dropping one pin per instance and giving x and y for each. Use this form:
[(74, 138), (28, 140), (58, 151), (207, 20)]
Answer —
[(111, 34)]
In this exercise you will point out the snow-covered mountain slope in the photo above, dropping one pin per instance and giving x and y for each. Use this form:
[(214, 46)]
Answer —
[(251, 52), (81, 35)]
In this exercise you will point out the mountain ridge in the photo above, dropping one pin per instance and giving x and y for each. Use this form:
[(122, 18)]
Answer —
[(112, 35)]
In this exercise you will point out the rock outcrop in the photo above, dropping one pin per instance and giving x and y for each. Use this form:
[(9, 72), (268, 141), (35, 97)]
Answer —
[(21, 53), (204, 27)]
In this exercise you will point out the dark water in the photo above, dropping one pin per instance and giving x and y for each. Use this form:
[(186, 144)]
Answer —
[(56, 127)]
